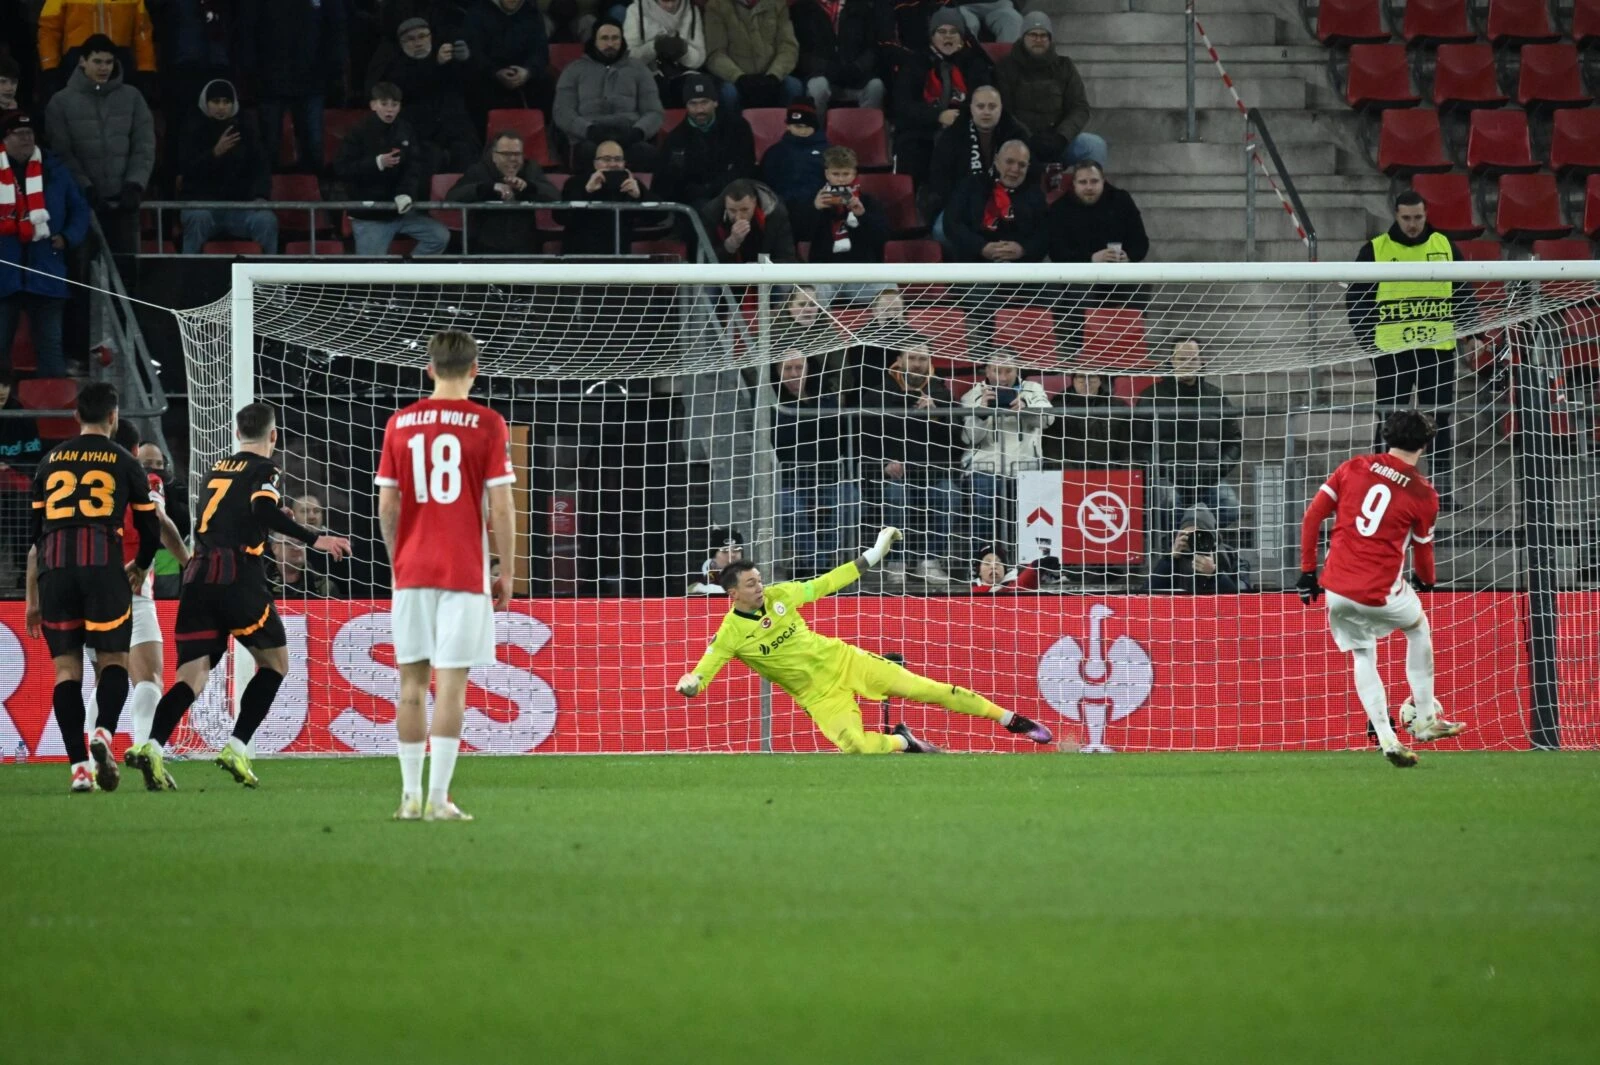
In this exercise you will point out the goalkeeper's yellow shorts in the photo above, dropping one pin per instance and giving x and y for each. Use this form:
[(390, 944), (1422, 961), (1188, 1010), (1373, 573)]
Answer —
[(867, 676)]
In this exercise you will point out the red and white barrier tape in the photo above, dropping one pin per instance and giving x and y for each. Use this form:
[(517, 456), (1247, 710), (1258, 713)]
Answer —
[(1251, 140)]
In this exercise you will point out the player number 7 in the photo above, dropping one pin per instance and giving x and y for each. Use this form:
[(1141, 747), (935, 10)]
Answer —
[(219, 487)]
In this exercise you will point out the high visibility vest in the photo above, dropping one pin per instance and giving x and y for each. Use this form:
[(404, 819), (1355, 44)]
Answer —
[(1414, 314)]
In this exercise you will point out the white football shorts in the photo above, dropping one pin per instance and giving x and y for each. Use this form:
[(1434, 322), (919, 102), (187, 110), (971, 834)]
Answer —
[(1357, 625), (451, 630), (146, 629)]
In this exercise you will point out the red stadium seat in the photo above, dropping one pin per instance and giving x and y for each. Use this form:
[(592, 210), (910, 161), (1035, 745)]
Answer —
[(23, 358), (671, 119), (1029, 331), (659, 247), (1351, 22), (767, 125), (337, 122), (1520, 22), (230, 247), (1409, 142), (1114, 339), (1437, 22), (1498, 142), (1479, 251), (913, 251), (1530, 208), (946, 327), (1575, 142), (1591, 206), (321, 247), (438, 188), (298, 188), (996, 50), (1449, 200), (1129, 388), (899, 199), (861, 130), (562, 55), (1580, 336), (1586, 23), (1568, 248), (1380, 76), (51, 393), (526, 123), (1465, 76), (1550, 77)]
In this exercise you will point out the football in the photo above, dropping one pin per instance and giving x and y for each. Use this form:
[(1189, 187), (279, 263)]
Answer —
[(1419, 724)]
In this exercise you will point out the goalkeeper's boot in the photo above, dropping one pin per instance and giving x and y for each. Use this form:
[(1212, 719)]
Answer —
[(82, 778), (410, 808), (1439, 729), (444, 811), (106, 774), (1400, 756), (914, 745), (1024, 726), (149, 760), (238, 764)]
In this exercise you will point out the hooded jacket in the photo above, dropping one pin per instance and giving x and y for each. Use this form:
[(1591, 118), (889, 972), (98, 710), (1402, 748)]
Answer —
[(435, 99), (69, 218), (916, 116), (793, 166), (619, 93), (1004, 440), (847, 53), (646, 20), (291, 48), (242, 173), (696, 164), (500, 39), (1178, 574), (65, 24), (964, 219), (357, 164), (1192, 431), (957, 154), (744, 40), (103, 132), (772, 235), (501, 232), (1045, 93)]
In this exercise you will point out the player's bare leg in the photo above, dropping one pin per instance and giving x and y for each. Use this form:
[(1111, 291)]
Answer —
[(1419, 674), (449, 708), (1369, 688), (411, 729)]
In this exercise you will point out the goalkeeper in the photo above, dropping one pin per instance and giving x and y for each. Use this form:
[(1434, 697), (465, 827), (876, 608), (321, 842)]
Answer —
[(824, 675)]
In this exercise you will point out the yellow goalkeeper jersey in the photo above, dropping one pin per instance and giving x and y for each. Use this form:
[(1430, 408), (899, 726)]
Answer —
[(778, 644)]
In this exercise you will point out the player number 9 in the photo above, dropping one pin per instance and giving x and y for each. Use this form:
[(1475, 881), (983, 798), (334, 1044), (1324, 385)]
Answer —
[(1373, 508), (441, 484)]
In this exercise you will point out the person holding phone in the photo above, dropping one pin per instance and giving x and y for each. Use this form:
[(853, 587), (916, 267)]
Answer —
[(1004, 435), (381, 160), (609, 181), (223, 159)]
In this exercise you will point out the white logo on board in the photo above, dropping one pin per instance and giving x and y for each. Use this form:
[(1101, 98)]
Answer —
[(1100, 686), (1104, 517)]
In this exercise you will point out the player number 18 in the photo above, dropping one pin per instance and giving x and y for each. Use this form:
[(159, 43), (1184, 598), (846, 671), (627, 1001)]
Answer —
[(1372, 509), (441, 484)]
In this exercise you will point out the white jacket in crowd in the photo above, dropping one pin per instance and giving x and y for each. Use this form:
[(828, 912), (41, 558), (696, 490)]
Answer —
[(1005, 440), (646, 20)]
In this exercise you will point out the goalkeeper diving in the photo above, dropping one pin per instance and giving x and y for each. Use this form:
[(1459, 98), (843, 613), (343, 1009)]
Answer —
[(765, 631)]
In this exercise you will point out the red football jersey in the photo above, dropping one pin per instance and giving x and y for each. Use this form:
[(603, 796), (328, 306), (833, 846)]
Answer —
[(442, 455), (1381, 506), (130, 537)]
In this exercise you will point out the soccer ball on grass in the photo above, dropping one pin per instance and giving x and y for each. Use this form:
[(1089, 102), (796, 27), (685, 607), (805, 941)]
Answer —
[(1420, 725)]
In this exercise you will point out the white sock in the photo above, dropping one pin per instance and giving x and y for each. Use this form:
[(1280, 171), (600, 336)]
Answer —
[(1419, 667), (411, 755), (1369, 686), (905, 744), (146, 694), (442, 767), (238, 746), (1007, 717)]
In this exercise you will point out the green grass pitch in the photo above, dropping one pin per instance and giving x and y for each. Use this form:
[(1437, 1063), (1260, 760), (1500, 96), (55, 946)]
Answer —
[(1279, 908)]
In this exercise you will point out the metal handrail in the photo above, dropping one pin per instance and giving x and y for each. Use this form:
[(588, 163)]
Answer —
[(1257, 122)]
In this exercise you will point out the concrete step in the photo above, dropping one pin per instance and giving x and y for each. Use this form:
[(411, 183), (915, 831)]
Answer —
[(1372, 188), (1298, 55), (1166, 91), (1209, 9), (1146, 29), (1197, 222), (1228, 247), (1201, 159)]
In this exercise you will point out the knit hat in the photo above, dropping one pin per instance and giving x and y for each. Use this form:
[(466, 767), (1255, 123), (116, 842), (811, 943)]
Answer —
[(220, 89), (410, 24), (1037, 20), (698, 87), (945, 16), (20, 120), (721, 538), (802, 112)]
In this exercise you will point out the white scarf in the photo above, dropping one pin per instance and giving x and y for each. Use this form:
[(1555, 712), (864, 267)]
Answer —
[(37, 219)]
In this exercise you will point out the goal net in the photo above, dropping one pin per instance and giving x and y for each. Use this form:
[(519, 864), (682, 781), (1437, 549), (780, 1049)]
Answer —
[(1131, 450)]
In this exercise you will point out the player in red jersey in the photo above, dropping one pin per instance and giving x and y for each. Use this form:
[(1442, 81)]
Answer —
[(443, 458), (1381, 506)]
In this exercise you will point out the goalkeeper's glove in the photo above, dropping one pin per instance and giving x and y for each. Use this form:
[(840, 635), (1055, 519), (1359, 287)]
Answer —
[(1308, 588), (1419, 584), (689, 684), (886, 539)]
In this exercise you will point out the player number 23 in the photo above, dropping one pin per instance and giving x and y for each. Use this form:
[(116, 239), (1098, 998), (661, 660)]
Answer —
[(61, 485), (1372, 509), (436, 477)]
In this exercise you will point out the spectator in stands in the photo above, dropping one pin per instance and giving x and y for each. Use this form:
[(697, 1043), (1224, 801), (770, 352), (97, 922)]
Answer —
[(569, 20), (793, 165), (998, 17), (932, 91), (1097, 429), (223, 159), (504, 175), (998, 217), (194, 44), (750, 45), (992, 576), (292, 50), (67, 26), (1194, 438), (837, 42), (903, 29), (604, 95), (1045, 93), (748, 221), (510, 54), (294, 578), (707, 150), (727, 547), (668, 37), (610, 181), (1096, 222), (847, 225), (802, 325), (166, 567), (816, 506), (966, 147), (42, 214), (20, 451), (102, 129), (1199, 563), (433, 76), (913, 456), (381, 159), (1003, 438), (10, 77)]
